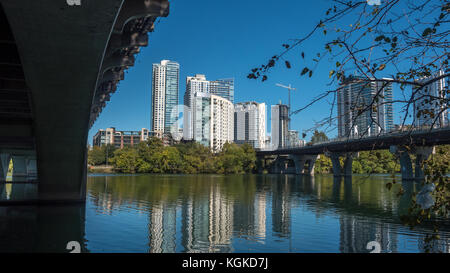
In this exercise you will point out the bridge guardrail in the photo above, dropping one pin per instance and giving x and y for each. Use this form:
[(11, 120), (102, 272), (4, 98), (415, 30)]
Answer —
[(339, 139)]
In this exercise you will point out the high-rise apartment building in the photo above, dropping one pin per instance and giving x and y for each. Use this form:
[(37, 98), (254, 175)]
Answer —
[(279, 125), (119, 139), (201, 116), (213, 122), (198, 84), (165, 85), (359, 113), (294, 139), (222, 122), (223, 88), (250, 123), (195, 84), (429, 109)]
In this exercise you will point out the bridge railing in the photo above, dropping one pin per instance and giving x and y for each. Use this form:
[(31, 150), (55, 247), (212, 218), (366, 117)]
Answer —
[(396, 132)]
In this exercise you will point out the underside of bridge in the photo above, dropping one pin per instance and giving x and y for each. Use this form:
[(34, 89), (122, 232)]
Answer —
[(342, 162), (59, 64)]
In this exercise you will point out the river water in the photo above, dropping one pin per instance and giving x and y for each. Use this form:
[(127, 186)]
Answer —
[(222, 213)]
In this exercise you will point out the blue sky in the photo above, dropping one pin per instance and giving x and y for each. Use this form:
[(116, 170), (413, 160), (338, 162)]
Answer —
[(224, 39)]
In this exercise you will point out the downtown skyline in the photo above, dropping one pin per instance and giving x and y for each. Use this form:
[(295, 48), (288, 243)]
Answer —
[(195, 119), (227, 50)]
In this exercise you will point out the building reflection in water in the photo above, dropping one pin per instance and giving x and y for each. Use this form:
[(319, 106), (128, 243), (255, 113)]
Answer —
[(260, 216), (281, 207), (207, 222), (208, 214), (220, 221), (218, 214), (162, 233), (355, 231)]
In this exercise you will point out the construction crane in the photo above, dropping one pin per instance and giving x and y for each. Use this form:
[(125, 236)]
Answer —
[(289, 88)]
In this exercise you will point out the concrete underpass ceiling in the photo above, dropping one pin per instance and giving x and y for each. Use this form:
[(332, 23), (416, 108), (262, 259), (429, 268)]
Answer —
[(15, 98)]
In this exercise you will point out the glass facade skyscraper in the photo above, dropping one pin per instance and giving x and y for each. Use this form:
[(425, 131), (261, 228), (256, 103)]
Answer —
[(201, 115), (359, 113), (165, 85), (194, 85), (223, 88), (172, 85), (432, 112)]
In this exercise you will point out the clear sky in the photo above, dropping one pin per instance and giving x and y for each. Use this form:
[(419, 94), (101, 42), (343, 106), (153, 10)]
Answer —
[(224, 39)]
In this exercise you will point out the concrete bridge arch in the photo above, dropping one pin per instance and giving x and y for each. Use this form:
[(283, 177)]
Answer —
[(66, 62)]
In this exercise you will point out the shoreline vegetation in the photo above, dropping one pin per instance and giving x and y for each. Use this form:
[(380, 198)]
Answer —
[(194, 158)]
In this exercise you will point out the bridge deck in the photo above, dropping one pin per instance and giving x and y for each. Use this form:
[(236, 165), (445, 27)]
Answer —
[(419, 138)]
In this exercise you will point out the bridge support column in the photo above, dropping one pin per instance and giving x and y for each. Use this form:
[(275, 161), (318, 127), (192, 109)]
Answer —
[(275, 168), (311, 163), (31, 167), (19, 171), (422, 154), (4, 165), (62, 72), (405, 162), (348, 163), (336, 164), (299, 162), (338, 169)]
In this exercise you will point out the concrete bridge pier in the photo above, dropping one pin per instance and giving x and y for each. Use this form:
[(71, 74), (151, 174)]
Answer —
[(338, 169), (72, 57), (4, 164), (5, 158), (405, 162), (61, 49), (31, 167), (276, 167), (311, 161), (261, 164), (422, 154), (19, 171), (336, 164), (299, 162)]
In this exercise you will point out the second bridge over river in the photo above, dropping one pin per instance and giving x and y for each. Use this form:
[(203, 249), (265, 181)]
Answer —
[(403, 144)]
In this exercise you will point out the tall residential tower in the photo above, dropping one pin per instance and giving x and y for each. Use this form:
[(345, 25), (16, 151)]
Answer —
[(198, 84), (279, 125), (359, 113), (194, 85), (223, 88), (430, 107), (250, 123), (165, 87)]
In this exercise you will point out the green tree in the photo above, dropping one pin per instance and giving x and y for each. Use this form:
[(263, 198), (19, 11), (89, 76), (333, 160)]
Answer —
[(96, 156), (323, 165), (109, 150), (249, 158), (235, 159), (126, 160)]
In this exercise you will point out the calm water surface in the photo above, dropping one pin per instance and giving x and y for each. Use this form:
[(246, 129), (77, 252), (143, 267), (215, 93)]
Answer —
[(217, 213)]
